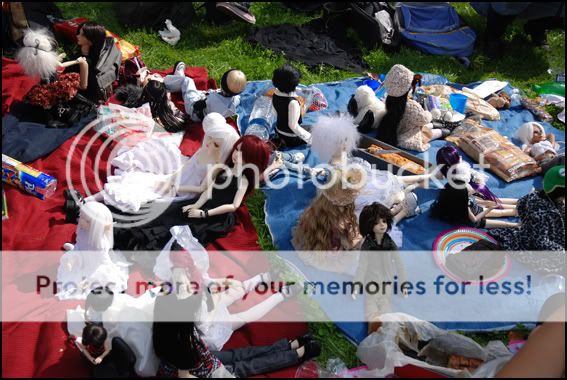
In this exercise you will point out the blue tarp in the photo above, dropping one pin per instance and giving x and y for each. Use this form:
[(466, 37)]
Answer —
[(284, 207)]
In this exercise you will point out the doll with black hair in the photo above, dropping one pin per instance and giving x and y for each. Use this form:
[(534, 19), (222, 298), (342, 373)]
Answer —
[(374, 223), (104, 59), (288, 110), (456, 204), (110, 357), (406, 124)]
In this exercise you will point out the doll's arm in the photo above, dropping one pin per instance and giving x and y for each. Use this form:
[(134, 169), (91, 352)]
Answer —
[(107, 349), (81, 348), (83, 72), (294, 112)]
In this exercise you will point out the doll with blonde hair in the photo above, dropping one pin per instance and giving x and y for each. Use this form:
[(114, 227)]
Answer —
[(330, 224)]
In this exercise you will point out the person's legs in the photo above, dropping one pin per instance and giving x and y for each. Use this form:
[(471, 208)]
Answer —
[(257, 312), (538, 28), (496, 25)]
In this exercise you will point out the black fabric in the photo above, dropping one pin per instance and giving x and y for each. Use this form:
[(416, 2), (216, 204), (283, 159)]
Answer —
[(28, 141), (310, 44), (154, 14), (305, 6), (37, 13), (119, 363), (281, 105), (155, 234), (251, 361)]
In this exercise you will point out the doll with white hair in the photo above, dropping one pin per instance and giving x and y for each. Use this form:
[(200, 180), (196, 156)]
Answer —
[(333, 140), (536, 142), (138, 181), (91, 262), (39, 59)]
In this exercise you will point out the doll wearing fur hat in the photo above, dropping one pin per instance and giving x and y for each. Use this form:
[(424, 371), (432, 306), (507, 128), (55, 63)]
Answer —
[(288, 110), (406, 124), (457, 204), (539, 145), (139, 180), (91, 262), (39, 59), (367, 110), (327, 230), (334, 138)]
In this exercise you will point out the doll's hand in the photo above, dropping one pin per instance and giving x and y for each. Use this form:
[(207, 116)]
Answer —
[(82, 61), (97, 361), (196, 213), (187, 208)]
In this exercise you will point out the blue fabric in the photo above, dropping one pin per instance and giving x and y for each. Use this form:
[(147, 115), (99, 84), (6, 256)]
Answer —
[(436, 29), (283, 208)]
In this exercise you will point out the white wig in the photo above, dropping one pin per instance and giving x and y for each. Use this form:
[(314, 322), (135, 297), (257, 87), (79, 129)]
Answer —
[(38, 56), (330, 133), (215, 126), (526, 132), (100, 231)]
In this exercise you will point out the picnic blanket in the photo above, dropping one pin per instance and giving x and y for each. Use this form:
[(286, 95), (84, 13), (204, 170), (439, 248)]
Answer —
[(284, 207), (41, 349)]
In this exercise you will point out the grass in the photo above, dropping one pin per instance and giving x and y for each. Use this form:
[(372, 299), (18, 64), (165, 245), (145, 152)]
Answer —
[(220, 47)]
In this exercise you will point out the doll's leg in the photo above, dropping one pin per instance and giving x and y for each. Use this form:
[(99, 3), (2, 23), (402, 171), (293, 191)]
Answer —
[(257, 312), (95, 197), (494, 223), (502, 213), (504, 206)]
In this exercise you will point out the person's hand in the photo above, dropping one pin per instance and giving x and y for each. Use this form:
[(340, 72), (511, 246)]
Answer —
[(196, 213), (97, 361)]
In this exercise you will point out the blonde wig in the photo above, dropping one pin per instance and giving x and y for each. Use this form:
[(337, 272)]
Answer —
[(38, 56)]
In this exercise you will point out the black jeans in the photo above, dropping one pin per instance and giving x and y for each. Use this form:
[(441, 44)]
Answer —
[(252, 361)]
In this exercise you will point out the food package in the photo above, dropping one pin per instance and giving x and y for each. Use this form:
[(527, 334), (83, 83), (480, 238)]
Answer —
[(396, 159), (475, 104), (27, 178)]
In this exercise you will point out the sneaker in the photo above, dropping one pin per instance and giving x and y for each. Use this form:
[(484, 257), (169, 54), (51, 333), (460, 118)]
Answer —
[(312, 350), (179, 68), (236, 10)]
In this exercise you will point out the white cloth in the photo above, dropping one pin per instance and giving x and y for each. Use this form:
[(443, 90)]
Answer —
[(541, 148), (85, 268)]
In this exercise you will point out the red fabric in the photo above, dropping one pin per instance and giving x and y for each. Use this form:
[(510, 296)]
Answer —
[(411, 371), (42, 349), (15, 85)]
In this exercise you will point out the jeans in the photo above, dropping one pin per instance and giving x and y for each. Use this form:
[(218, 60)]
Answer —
[(185, 85), (252, 361)]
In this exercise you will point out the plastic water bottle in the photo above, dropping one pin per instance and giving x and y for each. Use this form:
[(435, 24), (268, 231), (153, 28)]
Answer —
[(260, 122), (515, 97)]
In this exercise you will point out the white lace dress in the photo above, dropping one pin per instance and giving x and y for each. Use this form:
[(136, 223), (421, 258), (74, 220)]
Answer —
[(85, 268)]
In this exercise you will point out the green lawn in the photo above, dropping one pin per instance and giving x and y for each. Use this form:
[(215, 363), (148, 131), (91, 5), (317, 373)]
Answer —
[(221, 47)]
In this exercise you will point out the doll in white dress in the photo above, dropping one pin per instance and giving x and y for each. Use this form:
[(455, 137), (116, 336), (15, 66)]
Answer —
[(91, 262), (157, 170)]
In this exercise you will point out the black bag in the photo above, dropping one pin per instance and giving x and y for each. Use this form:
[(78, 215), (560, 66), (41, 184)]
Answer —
[(66, 114), (154, 14), (374, 22)]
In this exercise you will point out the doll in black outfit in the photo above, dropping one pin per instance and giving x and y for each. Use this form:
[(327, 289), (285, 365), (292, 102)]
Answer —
[(287, 107), (374, 223)]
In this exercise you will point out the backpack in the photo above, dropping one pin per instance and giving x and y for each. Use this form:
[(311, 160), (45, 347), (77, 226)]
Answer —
[(435, 28), (374, 22)]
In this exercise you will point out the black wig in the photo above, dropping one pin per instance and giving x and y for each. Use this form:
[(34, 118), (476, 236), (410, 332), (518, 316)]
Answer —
[(96, 34), (155, 93), (395, 109), (130, 95), (370, 215), (286, 78)]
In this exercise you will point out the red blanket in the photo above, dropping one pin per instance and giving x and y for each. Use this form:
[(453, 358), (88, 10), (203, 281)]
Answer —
[(41, 349)]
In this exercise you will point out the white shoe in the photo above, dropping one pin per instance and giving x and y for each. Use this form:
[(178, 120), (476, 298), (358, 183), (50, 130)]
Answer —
[(68, 247)]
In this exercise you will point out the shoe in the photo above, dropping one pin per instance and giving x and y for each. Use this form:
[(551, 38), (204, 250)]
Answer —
[(236, 10), (312, 350), (179, 68), (73, 200), (304, 339)]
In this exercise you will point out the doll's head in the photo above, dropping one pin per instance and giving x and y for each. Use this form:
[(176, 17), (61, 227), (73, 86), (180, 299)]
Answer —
[(38, 55), (330, 136), (155, 93), (253, 155), (94, 336), (96, 220), (91, 37), (453, 167), (330, 217), (531, 133), (452, 204), (219, 136), (375, 219), (554, 183), (286, 78), (233, 82), (542, 150)]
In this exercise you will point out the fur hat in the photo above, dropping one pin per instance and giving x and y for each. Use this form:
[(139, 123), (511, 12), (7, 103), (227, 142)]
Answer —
[(526, 132), (398, 81)]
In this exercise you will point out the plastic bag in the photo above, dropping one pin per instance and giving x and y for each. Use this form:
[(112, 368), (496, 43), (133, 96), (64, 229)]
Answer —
[(313, 97)]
